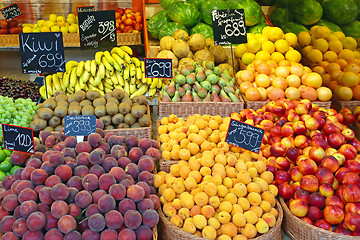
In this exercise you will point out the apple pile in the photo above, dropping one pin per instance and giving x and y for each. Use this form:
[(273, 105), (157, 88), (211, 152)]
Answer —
[(10, 27), (314, 157), (128, 21), (101, 188)]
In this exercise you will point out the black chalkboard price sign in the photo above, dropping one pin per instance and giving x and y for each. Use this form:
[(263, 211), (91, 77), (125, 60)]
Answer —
[(158, 67), (18, 138), (85, 9), (244, 135), (79, 125), (42, 52), (10, 12), (97, 29), (229, 26)]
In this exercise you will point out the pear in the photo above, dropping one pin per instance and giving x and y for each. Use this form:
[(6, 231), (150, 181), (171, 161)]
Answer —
[(224, 97), (187, 97)]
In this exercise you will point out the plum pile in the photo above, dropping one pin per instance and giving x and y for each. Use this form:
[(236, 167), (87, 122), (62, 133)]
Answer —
[(19, 89), (97, 189)]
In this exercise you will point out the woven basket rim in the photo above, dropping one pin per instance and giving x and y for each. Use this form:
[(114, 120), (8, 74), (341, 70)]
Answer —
[(307, 225)]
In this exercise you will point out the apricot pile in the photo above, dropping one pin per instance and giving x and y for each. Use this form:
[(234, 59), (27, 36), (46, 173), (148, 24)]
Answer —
[(97, 189), (215, 191)]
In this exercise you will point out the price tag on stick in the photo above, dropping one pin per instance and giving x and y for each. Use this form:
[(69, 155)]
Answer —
[(158, 68), (97, 29), (18, 138), (10, 12), (79, 125), (42, 52), (244, 135)]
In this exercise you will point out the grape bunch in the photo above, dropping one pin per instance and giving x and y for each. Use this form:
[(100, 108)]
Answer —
[(19, 112), (19, 89), (97, 189)]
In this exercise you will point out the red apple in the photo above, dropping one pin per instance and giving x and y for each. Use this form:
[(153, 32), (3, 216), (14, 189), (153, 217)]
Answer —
[(334, 201), (277, 149), (138, 18), (316, 133), (3, 24), (314, 213), (329, 128), (307, 220), (316, 154), (326, 190), (285, 191), (353, 165), (349, 151), (309, 183), (340, 174), (303, 195), (317, 200), (128, 29), (269, 116), (356, 144), (301, 109), (282, 163), (352, 208), (335, 140), (128, 22), (278, 111), (318, 142), (352, 221), (120, 10), (273, 140), (330, 163), (13, 23), (349, 119), (282, 176), (272, 168), (299, 207), (295, 173), (128, 10), (4, 31), (291, 115), (330, 151), (323, 224), (324, 175), (292, 153), (348, 134), (295, 186), (130, 16), (299, 128), (307, 166), (351, 193), (275, 131)]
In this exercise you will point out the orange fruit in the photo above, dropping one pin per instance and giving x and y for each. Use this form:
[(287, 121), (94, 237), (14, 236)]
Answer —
[(276, 93), (252, 94)]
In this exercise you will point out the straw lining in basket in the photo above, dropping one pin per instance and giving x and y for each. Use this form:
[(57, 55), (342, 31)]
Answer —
[(170, 232), (298, 229)]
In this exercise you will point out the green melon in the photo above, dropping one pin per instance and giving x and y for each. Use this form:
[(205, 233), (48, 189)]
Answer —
[(306, 12), (280, 16), (294, 28), (169, 28), (340, 12), (352, 29)]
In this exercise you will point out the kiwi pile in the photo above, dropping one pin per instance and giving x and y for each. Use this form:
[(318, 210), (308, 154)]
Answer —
[(115, 109)]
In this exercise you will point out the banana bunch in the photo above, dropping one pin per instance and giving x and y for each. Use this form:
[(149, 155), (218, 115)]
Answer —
[(109, 70)]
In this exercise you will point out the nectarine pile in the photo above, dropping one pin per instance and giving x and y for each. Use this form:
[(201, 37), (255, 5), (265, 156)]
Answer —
[(97, 189), (215, 191), (314, 157)]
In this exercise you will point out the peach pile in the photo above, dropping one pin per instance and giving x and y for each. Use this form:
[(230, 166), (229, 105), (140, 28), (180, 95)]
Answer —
[(314, 157), (215, 191), (335, 57), (97, 189), (268, 80)]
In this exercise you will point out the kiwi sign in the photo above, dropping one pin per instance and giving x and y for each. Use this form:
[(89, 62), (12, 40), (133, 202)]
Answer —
[(18, 138), (79, 125), (244, 135), (229, 26)]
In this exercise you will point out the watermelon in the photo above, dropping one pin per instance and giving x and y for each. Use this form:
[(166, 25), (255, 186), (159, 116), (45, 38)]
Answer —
[(352, 29), (156, 22), (306, 12), (257, 28), (203, 29), (209, 5), (332, 26), (166, 3), (340, 12), (169, 28), (282, 3), (266, 2), (253, 14), (197, 3), (280, 16), (294, 28), (184, 13)]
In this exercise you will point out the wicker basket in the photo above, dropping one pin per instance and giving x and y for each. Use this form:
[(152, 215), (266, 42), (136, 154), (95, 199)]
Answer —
[(298, 229), (184, 109), (170, 232), (72, 39), (338, 104), (166, 164)]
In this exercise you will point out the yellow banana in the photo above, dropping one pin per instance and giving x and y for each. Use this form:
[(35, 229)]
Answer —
[(70, 89), (63, 88), (101, 92), (80, 68), (118, 87), (140, 91), (42, 92), (100, 85), (77, 86), (85, 77), (107, 90), (91, 87), (142, 66), (152, 92), (102, 70), (160, 83), (119, 78), (93, 68), (91, 80), (127, 49), (118, 59), (60, 75), (132, 70), (97, 79), (127, 58), (88, 65), (154, 83), (132, 88), (109, 58), (49, 85), (139, 84), (149, 81), (117, 67), (66, 79), (138, 73), (73, 77), (81, 84), (106, 85), (69, 65), (107, 73), (118, 51), (98, 57), (108, 81), (127, 73), (86, 88), (135, 61), (127, 87), (108, 66), (114, 79)]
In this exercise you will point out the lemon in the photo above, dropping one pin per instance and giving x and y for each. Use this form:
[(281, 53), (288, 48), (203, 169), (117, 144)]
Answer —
[(262, 55), (71, 19), (277, 57), (274, 34), (293, 56), (282, 46), (240, 50), (336, 46), (49, 24), (60, 18), (64, 29), (321, 44), (268, 46), (73, 28), (45, 29), (55, 28), (349, 43), (262, 38), (330, 56), (346, 54), (265, 30), (291, 38), (314, 56), (247, 58), (52, 17), (322, 32), (339, 34), (27, 29), (253, 45), (304, 38), (41, 22)]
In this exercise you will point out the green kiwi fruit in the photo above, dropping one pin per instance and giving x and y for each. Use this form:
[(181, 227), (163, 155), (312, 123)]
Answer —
[(57, 93), (49, 103), (140, 99), (60, 111), (58, 128), (36, 116), (129, 119), (123, 125), (65, 103), (138, 110), (112, 99), (79, 95), (87, 110), (74, 110), (145, 121), (106, 120), (40, 105), (54, 121), (117, 119), (48, 128), (135, 125), (71, 98), (61, 97), (100, 111), (112, 108), (85, 102), (38, 124), (92, 95), (99, 101), (124, 108), (63, 121), (127, 100), (118, 94), (74, 103), (109, 127), (108, 95), (46, 113)]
